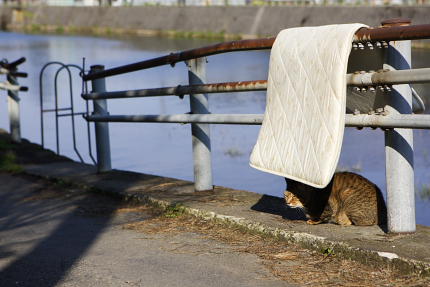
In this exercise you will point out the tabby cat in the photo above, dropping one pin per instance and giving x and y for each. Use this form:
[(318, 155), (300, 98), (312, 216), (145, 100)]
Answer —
[(348, 199)]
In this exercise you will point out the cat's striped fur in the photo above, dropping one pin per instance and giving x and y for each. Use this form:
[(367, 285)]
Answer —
[(348, 199)]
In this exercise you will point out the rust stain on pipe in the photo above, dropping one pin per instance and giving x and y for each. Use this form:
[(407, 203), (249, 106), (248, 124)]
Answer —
[(235, 85), (393, 33)]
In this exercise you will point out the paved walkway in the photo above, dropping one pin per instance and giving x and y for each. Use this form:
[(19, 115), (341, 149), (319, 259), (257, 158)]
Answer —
[(53, 237)]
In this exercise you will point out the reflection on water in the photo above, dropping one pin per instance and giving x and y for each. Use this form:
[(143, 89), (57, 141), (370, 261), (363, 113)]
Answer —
[(424, 192), (165, 149)]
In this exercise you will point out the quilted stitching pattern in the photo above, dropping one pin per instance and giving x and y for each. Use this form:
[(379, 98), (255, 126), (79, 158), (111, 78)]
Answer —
[(303, 125)]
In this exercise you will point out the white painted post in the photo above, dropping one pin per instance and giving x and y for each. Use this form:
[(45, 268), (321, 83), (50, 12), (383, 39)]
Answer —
[(101, 129), (13, 107), (200, 132), (399, 142)]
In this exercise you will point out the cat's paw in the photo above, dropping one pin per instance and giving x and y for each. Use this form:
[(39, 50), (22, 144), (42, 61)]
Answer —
[(313, 222), (343, 219)]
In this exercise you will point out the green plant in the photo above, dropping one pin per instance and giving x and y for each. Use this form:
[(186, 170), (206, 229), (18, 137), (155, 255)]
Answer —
[(174, 210), (59, 30), (28, 14), (35, 28), (5, 145), (8, 162), (424, 192), (328, 252)]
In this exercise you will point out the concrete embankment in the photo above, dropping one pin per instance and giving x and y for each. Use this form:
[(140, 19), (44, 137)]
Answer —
[(246, 210), (227, 22)]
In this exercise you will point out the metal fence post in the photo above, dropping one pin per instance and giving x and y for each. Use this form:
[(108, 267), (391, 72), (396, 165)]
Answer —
[(200, 132), (13, 107), (101, 129), (399, 142)]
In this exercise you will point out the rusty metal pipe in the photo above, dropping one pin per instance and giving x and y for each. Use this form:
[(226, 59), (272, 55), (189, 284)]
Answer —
[(245, 86), (362, 35), (173, 58), (412, 76), (393, 33)]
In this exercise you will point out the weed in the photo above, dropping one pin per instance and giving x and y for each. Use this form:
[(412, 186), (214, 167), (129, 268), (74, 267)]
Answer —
[(5, 145), (34, 28), (424, 192), (328, 252), (28, 14), (109, 32), (174, 210), (8, 162), (59, 30)]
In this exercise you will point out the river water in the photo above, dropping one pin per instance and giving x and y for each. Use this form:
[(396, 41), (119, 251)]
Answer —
[(165, 149)]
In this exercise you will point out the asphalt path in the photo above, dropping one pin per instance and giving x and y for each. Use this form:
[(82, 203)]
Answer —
[(72, 239)]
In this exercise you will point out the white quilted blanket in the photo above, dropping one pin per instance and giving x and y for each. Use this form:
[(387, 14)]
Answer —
[(303, 124)]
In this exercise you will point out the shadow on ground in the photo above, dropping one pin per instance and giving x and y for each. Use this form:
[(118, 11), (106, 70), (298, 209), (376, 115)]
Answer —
[(44, 260), (276, 206)]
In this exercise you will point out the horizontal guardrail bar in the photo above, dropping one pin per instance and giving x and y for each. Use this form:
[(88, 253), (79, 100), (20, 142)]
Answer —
[(385, 77), (388, 121), (383, 121), (12, 65), (9, 87), (233, 119), (53, 110), (393, 33), (244, 86), (173, 58), (5, 71), (363, 35), (71, 114)]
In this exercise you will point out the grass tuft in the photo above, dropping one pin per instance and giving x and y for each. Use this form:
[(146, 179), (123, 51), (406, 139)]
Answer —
[(173, 211), (8, 162)]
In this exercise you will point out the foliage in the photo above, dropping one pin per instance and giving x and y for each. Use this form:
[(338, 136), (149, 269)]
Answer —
[(424, 192), (328, 252), (174, 210), (8, 162)]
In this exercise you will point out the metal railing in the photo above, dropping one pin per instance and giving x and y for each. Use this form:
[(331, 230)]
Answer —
[(12, 87), (62, 111), (396, 118)]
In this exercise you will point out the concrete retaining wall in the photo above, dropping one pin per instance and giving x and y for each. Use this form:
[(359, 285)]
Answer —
[(244, 21)]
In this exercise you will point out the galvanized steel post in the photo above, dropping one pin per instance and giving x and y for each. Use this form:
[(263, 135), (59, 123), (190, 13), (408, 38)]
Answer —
[(101, 129), (13, 107), (200, 132), (399, 142)]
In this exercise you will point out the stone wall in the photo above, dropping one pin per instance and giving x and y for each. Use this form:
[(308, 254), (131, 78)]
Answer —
[(221, 21)]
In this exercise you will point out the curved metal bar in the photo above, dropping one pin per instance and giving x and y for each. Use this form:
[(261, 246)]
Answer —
[(41, 97), (67, 67), (87, 112), (57, 130), (84, 89)]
